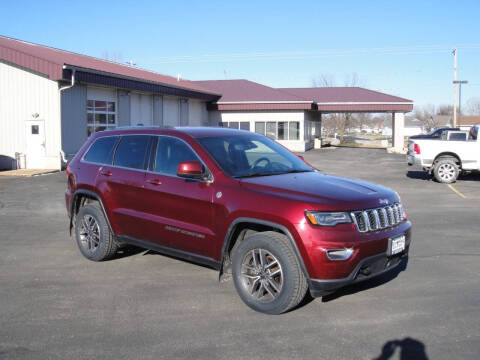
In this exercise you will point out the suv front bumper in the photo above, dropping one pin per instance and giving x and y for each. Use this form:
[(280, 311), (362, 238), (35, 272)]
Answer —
[(367, 268)]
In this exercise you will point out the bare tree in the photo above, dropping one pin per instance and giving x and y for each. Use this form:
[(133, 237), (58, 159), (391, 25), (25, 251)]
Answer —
[(426, 115), (445, 110), (115, 56), (343, 121), (473, 106)]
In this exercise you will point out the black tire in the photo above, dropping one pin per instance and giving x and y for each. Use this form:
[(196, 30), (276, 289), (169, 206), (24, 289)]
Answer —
[(446, 170), (275, 247), (103, 247)]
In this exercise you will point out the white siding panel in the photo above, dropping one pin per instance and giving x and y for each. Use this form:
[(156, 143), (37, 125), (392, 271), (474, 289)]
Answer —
[(171, 111), (197, 113), (141, 109), (23, 94)]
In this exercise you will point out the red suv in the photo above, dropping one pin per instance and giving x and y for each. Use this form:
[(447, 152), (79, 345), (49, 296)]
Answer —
[(235, 201)]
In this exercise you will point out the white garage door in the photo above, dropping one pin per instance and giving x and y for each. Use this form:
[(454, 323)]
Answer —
[(171, 111), (141, 109)]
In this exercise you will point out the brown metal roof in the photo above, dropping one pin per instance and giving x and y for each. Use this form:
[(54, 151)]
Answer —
[(345, 95), (248, 91), (50, 61)]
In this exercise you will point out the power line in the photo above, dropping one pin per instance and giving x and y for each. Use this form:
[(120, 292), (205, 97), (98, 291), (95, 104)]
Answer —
[(301, 55)]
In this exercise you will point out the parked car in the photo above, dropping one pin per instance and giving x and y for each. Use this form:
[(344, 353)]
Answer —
[(238, 202), (435, 134), (446, 159)]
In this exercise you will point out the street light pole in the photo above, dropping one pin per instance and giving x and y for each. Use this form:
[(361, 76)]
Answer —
[(459, 82)]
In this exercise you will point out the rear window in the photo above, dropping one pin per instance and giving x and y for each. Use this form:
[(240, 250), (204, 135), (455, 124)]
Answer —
[(101, 152), (132, 151)]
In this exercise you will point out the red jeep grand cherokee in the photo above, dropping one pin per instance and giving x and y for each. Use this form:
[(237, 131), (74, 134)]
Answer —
[(238, 202)]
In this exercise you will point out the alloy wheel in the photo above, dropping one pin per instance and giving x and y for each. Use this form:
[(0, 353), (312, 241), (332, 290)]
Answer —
[(446, 172), (89, 233), (262, 275)]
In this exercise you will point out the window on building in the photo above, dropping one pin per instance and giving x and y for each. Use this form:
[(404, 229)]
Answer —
[(260, 127), (283, 130), (101, 152), (271, 130), (245, 125), (132, 151), (242, 125), (170, 153), (294, 130), (101, 115)]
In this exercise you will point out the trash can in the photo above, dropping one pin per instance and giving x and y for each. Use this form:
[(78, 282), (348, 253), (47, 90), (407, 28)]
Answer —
[(20, 160)]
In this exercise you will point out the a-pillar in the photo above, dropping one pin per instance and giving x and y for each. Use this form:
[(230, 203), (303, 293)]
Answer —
[(398, 122)]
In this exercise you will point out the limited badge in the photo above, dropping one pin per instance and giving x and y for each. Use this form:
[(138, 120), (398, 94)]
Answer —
[(219, 195)]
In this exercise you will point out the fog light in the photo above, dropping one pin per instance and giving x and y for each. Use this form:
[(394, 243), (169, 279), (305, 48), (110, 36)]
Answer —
[(339, 254)]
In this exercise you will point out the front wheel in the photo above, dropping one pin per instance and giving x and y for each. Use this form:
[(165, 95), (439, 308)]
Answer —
[(267, 273), (446, 171)]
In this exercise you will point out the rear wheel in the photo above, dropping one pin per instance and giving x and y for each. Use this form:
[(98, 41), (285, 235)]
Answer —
[(267, 274), (94, 238), (446, 170)]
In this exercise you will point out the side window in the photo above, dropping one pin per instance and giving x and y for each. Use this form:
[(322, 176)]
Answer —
[(101, 151), (170, 153), (132, 151)]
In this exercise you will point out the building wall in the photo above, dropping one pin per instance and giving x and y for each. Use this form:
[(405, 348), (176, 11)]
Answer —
[(171, 111), (216, 117), (74, 119), (197, 113), (22, 94)]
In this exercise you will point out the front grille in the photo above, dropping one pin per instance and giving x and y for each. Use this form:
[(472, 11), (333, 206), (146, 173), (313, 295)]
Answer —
[(379, 218)]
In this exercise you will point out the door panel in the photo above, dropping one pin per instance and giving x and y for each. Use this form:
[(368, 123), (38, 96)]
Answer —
[(180, 210)]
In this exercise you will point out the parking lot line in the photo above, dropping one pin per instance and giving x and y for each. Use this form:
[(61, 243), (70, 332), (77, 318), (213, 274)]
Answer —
[(456, 191)]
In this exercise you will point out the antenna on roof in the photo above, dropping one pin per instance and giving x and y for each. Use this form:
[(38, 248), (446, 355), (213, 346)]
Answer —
[(179, 76), (130, 63), (225, 73)]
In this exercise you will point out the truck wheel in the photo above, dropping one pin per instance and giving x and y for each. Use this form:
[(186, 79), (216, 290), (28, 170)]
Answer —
[(446, 171), (94, 238), (267, 274)]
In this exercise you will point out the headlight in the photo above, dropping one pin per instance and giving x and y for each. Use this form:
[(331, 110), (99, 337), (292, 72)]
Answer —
[(328, 218)]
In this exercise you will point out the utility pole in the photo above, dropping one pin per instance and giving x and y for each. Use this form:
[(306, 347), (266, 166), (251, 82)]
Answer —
[(454, 52), (459, 82)]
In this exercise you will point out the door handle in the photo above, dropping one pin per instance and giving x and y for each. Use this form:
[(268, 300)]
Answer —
[(106, 173), (154, 182)]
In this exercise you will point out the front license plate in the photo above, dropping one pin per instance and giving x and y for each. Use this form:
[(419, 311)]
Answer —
[(396, 245)]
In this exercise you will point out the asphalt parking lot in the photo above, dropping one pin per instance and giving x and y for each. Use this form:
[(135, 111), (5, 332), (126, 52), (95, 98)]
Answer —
[(57, 305)]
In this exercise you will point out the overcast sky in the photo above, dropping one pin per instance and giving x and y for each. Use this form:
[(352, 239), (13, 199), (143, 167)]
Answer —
[(399, 47)]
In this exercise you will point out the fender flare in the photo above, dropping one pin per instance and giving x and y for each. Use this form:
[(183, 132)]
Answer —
[(90, 194), (283, 229)]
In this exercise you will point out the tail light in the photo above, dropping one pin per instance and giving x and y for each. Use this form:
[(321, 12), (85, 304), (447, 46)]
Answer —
[(416, 148), (68, 170)]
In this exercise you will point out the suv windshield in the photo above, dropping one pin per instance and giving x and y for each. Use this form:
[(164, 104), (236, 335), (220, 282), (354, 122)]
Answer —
[(249, 155)]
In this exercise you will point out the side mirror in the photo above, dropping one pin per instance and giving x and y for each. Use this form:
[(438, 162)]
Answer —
[(191, 170)]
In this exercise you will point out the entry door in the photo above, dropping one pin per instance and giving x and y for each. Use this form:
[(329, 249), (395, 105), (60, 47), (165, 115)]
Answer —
[(35, 144)]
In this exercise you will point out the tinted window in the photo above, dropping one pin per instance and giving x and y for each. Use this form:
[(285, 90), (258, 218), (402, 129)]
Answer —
[(132, 151), (170, 153), (101, 151), (458, 136)]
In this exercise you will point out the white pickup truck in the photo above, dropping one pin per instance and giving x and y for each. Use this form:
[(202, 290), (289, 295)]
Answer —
[(446, 159)]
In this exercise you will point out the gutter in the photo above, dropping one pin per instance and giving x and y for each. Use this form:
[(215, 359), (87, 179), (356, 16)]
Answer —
[(72, 84)]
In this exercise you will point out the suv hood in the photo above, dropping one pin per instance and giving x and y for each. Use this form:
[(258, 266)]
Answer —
[(326, 192)]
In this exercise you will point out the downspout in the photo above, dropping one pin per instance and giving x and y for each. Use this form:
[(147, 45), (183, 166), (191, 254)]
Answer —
[(72, 84)]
